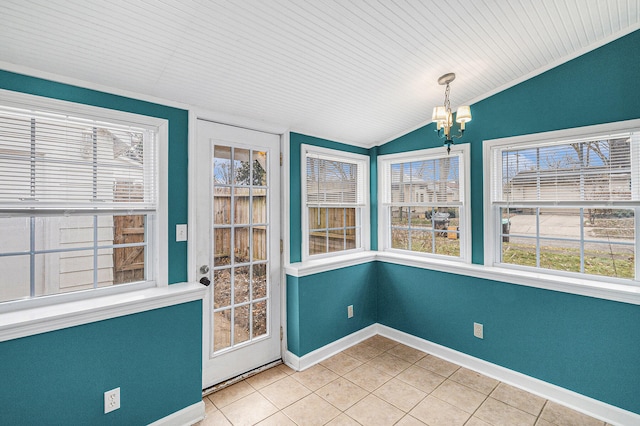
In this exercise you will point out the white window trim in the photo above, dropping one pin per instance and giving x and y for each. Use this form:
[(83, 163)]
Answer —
[(597, 286), (383, 211), (17, 318), (304, 213)]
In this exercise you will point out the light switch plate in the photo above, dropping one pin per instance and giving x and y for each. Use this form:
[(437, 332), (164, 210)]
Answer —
[(181, 232)]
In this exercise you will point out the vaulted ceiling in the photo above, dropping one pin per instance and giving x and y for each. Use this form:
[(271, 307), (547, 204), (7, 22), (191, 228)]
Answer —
[(360, 71)]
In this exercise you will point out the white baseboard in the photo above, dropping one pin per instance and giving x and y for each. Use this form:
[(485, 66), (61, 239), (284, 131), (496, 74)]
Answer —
[(319, 355), (589, 406), (185, 417)]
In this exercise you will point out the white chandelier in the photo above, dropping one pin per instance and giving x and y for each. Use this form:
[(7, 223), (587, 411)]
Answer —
[(444, 119)]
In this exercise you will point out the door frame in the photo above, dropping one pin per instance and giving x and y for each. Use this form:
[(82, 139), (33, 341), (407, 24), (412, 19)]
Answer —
[(196, 114)]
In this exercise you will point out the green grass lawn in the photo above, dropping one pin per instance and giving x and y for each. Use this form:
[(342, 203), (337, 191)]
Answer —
[(616, 264)]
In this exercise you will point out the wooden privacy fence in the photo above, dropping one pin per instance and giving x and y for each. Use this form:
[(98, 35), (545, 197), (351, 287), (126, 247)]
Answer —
[(254, 234)]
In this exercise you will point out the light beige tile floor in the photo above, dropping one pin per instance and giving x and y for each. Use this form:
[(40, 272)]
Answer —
[(382, 382)]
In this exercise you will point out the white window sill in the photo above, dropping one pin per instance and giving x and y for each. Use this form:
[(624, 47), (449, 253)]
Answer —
[(329, 263), (27, 322), (584, 287)]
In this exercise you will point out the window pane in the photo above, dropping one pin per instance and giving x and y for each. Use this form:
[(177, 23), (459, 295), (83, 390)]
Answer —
[(422, 241), (332, 181), (64, 272), (222, 165), (560, 255), (317, 218), (15, 233), (448, 244), (318, 242), (14, 278), (55, 232), (351, 241), (400, 238), (434, 180), (609, 259), (336, 240), (128, 264)]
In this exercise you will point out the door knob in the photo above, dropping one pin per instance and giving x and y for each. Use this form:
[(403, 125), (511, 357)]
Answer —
[(205, 281), (204, 269)]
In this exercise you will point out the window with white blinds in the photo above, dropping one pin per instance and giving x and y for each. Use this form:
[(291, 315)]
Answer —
[(567, 205), (593, 170), (78, 198), (335, 195), (334, 181), (69, 163), (423, 205)]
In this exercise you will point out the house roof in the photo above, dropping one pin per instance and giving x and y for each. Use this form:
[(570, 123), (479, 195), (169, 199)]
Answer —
[(360, 72)]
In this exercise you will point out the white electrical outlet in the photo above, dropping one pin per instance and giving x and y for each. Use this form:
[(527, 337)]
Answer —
[(478, 330), (111, 400), (350, 311)]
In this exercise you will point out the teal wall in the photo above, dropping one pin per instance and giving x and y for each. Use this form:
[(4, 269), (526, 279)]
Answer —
[(585, 344), (59, 378), (154, 357), (317, 306), (580, 343)]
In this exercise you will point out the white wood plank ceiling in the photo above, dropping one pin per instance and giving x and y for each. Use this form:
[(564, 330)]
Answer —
[(360, 71)]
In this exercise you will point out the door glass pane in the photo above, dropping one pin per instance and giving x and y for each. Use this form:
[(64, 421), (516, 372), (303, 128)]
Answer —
[(221, 288), (259, 205), (222, 165), (241, 284), (241, 241), (222, 206), (260, 243), (242, 166), (259, 281), (221, 329), (222, 246), (241, 329), (259, 168), (241, 206), (260, 318)]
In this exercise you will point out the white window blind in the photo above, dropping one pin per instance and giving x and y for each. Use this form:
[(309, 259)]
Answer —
[(51, 162), (429, 181), (587, 171), (333, 181)]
